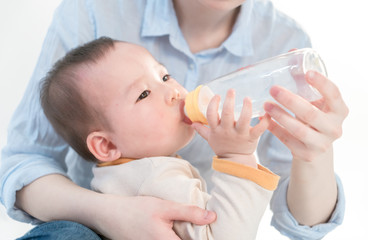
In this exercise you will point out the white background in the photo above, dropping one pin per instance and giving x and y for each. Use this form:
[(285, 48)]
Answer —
[(339, 33)]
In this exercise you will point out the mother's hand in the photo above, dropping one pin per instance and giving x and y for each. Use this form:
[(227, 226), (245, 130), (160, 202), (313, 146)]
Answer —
[(145, 217), (315, 126)]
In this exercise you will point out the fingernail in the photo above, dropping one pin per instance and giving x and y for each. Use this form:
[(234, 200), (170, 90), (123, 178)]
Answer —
[(311, 75), (268, 107), (275, 91), (209, 215)]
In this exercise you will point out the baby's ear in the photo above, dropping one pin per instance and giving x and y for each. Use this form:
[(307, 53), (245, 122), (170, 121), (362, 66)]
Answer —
[(100, 145)]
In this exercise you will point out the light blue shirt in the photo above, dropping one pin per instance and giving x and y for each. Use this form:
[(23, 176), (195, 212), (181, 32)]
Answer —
[(34, 150)]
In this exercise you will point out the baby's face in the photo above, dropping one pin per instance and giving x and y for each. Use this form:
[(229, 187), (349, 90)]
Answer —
[(139, 100)]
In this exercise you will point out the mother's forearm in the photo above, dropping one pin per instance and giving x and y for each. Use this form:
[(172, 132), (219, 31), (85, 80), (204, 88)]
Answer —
[(55, 197), (312, 191)]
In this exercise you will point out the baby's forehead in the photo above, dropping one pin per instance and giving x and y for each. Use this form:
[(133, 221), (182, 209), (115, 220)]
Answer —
[(131, 47), (125, 61), (133, 51)]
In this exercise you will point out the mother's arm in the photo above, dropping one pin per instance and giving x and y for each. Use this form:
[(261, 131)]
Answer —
[(55, 197), (312, 190)]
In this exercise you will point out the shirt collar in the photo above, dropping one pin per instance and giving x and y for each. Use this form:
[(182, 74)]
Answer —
[(115, 162), (240, 42), (120, 161), (160, 19)]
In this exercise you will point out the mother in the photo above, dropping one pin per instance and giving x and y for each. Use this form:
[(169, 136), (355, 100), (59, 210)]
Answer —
[(197, 40)]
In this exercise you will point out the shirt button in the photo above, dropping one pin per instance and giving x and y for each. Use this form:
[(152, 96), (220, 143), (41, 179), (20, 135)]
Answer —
[(191, 66)]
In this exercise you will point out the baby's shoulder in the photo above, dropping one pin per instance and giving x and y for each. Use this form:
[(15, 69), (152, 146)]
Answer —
[(168, 161), (172, 166)]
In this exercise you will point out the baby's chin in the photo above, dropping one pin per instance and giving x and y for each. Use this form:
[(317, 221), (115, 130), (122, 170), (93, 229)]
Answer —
[(181, 141), (191, 134)]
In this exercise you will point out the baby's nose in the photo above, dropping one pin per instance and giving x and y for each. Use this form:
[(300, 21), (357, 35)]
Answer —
[(173, 95)]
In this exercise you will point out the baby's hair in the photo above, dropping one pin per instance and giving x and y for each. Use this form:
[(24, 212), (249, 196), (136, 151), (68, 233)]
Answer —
[(69, 113)]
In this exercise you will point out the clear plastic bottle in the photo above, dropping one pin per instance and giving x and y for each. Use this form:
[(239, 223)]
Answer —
[(287, 70)]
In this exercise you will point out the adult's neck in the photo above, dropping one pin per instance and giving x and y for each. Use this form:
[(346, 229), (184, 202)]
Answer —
[(204, 27)]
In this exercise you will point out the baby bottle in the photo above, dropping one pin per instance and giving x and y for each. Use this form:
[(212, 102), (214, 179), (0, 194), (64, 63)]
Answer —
[(287, 70)]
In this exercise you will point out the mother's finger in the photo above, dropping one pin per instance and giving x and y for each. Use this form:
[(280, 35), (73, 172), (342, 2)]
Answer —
[(303, 110), (188, 213), (329, 91), (299, 130), (285, 137)]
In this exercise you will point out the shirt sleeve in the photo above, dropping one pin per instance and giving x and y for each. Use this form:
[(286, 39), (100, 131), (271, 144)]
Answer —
[(277, 158), (239, 197), (33, 148), (286, 224)]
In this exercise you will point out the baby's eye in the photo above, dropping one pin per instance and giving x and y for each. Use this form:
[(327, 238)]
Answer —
[(166, 77), (143, 95)]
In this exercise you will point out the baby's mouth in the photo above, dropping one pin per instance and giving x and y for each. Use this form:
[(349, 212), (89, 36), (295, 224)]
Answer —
[(187, 120), (184, 116)]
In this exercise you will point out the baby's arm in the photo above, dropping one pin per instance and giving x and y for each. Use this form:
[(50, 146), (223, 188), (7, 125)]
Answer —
[(239, 198), (242, 189)]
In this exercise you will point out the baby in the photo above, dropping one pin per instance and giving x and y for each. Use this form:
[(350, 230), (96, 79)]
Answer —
[(119, 107)]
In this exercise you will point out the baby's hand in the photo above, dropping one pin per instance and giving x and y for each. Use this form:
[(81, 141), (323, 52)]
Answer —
[(230, 139)]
